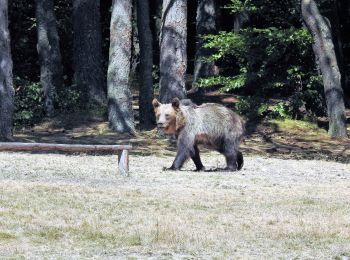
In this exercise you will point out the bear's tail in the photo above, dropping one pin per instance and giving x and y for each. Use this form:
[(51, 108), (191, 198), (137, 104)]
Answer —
[(239, 160)]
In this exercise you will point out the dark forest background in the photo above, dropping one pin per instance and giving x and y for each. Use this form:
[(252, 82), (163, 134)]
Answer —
[(263, 51)]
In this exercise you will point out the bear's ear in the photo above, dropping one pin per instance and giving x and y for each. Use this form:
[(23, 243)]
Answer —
[(155, 103), (175, 103)]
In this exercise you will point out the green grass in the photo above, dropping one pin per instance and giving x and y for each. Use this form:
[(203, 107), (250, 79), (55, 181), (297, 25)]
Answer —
[(297, 126)]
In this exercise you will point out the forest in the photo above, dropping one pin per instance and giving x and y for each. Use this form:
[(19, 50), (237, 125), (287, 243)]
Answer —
[(287, 59)]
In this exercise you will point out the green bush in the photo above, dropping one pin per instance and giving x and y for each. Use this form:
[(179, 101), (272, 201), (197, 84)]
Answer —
[(68, 99), (29, 102), (271, 57), (29, 108)]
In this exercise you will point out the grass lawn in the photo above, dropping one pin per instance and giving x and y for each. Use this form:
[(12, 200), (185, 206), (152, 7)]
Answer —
[(60, 206)]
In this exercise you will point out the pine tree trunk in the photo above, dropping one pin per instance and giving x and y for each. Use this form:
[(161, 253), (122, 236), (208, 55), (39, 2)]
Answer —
[(6, 80), (205, 24), (87, 45), (173, 52), (51, 73), (324, 51), (120, 112), (146, 64)]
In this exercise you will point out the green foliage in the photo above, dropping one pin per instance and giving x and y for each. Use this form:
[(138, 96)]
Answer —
[(237, 6), (271, 58), (29, 98), (252, 107), (229, 83), (29, 102), (280, 110), (68, 99), (264, 56)]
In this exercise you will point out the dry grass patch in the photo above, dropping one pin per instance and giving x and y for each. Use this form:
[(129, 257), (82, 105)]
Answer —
[(78, 207)]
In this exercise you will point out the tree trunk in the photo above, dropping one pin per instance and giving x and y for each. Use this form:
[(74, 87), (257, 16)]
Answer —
[(120, 112), (146, 64), (205, 24), (51, 73), (324, 51), (173, 56), (6, 80), (240, 19), (87, 45)]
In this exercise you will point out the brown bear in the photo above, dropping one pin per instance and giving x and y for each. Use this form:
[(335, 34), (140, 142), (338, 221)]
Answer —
[(210, 124)]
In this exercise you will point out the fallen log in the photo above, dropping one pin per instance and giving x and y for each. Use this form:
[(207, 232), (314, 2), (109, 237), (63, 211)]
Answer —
[(121, 150)]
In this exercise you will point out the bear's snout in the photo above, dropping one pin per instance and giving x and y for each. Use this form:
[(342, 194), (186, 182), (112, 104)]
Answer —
[(160, 125)]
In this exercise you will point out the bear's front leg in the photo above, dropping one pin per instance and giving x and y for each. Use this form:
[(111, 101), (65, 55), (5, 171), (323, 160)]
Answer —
[(184, 150), (180, 159)]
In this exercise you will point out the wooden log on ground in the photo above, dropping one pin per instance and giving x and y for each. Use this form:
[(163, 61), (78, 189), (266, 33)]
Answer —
[(121, 150)]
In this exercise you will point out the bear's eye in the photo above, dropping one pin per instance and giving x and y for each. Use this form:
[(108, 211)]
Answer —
[(167, 115)]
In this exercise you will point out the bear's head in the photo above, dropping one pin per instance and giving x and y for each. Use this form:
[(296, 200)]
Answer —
[(166, 115)]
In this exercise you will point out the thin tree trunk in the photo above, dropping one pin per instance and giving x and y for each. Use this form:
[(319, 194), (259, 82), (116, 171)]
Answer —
[(120, 112), (87, 45), (173, 52), (146, 63), (324, 51), (6, 80), (240, 19), (205, 24), (51, 73)]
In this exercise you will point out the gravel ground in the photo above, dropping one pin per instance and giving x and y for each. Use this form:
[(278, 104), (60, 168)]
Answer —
[(272, 208)]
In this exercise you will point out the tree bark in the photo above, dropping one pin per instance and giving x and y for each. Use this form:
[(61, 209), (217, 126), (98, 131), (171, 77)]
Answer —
[(120, 112), (324, 51), (51, 73), (173, 52), (205, 24), (6, 78), (146, 64), (87, 45), (240, 19)]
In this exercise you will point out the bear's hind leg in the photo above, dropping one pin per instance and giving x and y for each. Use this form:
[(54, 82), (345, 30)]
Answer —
[(240, 160), (197, 159), (230, 153)]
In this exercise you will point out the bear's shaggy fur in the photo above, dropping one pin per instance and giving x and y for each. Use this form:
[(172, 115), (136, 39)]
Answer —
[(212, 125)]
